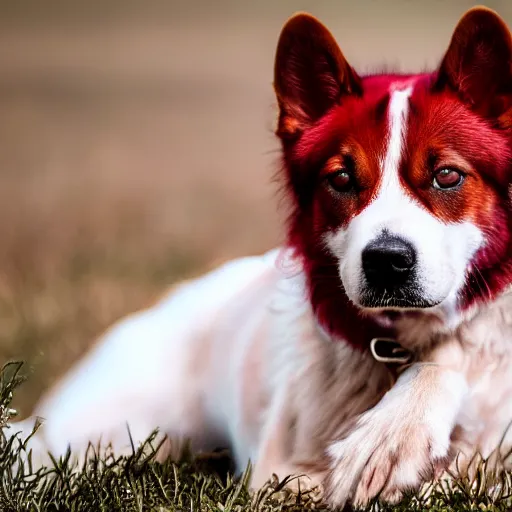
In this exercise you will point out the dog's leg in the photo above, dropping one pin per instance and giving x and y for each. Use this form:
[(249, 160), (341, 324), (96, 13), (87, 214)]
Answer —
[(272, 453), (404, 439), (275, 454)]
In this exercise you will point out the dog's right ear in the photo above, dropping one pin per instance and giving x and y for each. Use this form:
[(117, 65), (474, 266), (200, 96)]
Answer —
[(310, 74), (478, 64)]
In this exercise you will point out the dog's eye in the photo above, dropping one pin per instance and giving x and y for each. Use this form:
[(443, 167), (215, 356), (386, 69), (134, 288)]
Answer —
[(447, 178), (340, 180)]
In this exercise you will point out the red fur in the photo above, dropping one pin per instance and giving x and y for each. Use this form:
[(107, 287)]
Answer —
[(458, 116)]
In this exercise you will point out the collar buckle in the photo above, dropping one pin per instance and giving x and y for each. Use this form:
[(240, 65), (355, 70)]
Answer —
[(388, 350)]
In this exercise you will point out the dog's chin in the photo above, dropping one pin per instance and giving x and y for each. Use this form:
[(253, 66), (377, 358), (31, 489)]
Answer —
[(388, 317)]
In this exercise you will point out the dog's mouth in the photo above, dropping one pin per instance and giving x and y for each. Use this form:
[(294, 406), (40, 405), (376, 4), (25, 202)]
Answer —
[(394, 301)]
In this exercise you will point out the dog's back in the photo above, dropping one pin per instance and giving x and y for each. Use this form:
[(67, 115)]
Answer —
[(157, 368)]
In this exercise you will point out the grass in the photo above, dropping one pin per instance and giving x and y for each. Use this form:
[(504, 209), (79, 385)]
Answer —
[(138, 483)]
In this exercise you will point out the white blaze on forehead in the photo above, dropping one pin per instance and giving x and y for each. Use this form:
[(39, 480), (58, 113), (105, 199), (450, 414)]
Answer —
[(398, 111), (397, 117)]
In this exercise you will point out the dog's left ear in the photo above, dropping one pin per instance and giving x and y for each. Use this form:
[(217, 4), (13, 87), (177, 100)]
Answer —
[(478, 63), (310, 74)]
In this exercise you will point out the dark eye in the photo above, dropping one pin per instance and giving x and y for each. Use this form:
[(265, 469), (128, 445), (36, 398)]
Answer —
[(340, 180), (447, 178)]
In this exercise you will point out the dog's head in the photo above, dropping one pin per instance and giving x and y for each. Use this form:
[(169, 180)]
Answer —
[(399, 184)]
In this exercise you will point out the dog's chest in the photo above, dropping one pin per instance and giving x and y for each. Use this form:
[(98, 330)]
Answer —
[(482, 350), (488, 411)]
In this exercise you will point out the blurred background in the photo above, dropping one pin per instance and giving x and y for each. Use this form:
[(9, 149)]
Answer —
[(136, 148)]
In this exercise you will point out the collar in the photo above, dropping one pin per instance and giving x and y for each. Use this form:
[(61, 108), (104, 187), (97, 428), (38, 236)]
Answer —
[(384, 349), (389, 351)]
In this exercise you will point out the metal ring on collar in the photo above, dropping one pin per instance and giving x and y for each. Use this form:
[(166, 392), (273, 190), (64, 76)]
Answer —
[(394, 353)]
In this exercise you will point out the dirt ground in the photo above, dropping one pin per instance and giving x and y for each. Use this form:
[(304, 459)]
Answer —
[(136, 148)]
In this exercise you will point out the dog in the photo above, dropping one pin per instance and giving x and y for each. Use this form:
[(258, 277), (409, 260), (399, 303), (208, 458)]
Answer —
[(374, 347)]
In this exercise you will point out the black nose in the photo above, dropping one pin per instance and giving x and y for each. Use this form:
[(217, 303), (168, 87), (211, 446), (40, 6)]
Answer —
[(388, 261)]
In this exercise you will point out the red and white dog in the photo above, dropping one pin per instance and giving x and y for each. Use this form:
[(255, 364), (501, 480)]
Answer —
[(400, 228)]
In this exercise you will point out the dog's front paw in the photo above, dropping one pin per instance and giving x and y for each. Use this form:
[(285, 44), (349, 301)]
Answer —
[(384, 456)]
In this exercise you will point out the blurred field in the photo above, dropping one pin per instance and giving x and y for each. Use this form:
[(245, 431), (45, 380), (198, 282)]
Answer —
[(136, 148)]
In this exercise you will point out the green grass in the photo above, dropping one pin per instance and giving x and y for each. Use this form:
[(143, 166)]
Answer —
[(139, 483)]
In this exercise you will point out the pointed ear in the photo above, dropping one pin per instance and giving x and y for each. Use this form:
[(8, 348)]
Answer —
[(310, 74), (478, 62)]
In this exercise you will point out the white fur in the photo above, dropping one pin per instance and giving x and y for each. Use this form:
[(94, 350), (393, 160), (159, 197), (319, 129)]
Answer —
[(443, 249), (146, 370)]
